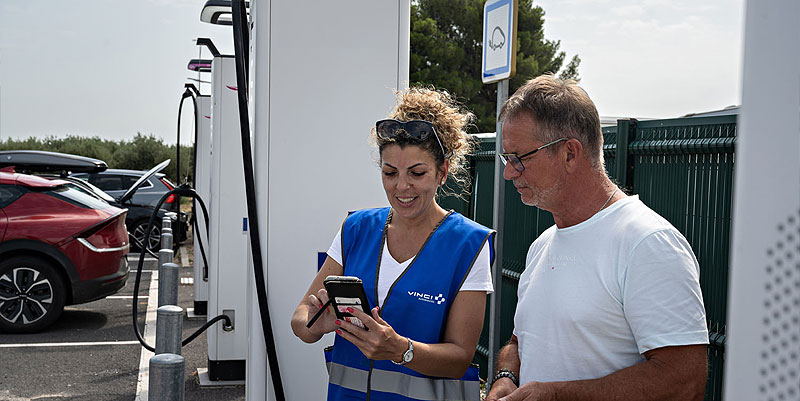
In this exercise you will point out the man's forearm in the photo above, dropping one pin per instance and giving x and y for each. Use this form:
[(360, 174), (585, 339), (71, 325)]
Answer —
[(679, 376), (508, 357)]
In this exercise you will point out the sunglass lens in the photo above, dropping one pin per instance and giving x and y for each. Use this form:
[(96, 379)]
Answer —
[(387, 128), (419, 130)]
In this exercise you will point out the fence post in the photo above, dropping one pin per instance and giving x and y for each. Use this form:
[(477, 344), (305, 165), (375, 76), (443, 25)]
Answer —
[(626, 132)]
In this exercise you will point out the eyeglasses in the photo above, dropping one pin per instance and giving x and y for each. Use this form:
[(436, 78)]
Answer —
[(516, 161), (419, 130)]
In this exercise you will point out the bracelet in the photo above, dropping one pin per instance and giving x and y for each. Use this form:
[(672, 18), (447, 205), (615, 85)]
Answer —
[(506, 373)]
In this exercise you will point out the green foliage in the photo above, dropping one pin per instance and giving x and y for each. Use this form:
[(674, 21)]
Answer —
[(571, 70), (446, 46), (140, 153)]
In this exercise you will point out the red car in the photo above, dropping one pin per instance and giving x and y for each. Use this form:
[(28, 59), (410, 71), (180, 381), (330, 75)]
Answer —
[(58, 246)]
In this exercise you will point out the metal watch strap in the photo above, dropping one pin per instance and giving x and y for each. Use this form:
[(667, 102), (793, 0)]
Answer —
[(403, 356), (506, 373)]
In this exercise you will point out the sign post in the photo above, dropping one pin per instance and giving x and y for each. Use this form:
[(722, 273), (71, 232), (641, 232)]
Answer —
[(498, 65)]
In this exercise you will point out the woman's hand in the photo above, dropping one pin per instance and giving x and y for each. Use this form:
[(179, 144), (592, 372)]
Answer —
[(326, 322), (310, 304), (380, 342)]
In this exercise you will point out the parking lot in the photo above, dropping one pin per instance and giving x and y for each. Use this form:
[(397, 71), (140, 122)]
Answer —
[(91, 352)]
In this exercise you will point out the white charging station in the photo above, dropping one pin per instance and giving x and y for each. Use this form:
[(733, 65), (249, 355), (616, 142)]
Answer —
[(227, 251), (763, 356), (202, 184), (321, 74)]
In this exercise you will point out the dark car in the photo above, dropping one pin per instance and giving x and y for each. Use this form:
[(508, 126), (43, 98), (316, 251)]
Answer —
[(116, 181), (55, 165), (58, 246)]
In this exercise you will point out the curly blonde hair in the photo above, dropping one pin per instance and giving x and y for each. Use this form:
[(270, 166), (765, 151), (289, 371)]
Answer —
[(450, 120)]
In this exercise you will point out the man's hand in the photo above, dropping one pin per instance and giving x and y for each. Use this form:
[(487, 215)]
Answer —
[(530, 391), (500, 388)]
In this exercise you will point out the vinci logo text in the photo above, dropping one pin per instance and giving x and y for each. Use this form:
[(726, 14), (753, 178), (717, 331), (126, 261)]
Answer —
[(438, 300)]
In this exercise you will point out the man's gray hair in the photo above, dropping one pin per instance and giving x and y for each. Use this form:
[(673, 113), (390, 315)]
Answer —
[(560, 108)]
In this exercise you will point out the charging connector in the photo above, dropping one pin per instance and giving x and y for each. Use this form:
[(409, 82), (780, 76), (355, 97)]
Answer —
[(231, 314)]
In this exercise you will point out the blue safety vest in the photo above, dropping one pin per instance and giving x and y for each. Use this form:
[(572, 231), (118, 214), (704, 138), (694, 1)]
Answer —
[(416, 307)]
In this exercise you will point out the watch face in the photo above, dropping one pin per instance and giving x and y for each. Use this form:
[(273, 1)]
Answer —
[(408, 356)]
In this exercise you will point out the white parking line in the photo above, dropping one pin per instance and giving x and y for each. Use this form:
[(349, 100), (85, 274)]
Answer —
[(185, 256), (76, 344), (125, 296), (143, 382)]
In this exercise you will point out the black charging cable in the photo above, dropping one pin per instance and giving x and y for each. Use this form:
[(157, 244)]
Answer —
[(186, 94), (190, 92), (186, 191), (241, 45), (195, 94)]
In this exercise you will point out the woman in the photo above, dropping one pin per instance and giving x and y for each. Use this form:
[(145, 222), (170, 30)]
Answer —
[(425, 270)]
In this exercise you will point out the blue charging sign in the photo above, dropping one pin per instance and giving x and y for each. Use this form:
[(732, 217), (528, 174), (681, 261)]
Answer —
[(499, 40)]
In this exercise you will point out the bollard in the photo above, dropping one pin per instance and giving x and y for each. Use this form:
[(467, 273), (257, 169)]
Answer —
[(165, 256), (169, 327), (167, 377), (168, 284), (166, 239), (169, 217)]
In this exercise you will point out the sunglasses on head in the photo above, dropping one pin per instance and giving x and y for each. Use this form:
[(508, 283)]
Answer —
[(419, 130)]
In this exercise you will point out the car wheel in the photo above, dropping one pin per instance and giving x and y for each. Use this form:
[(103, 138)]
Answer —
[(32, 294), (153, 241)]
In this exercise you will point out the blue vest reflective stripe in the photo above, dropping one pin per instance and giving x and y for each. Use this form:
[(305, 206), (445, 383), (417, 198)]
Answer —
[(416, 306)]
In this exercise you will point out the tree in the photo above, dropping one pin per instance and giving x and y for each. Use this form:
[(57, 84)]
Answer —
[(140, 153), (446, 46)]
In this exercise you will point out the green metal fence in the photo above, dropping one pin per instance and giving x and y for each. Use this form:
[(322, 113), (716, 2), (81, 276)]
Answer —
[(681, 168)]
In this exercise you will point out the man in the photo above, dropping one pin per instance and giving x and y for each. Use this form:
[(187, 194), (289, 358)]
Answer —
[(609, 306)]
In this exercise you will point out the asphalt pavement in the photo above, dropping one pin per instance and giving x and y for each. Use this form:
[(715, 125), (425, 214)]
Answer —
[(91, 352)]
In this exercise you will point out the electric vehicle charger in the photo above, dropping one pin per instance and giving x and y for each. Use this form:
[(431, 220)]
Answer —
[(186, 191), (241, 54), (186, 94), (190, 92)]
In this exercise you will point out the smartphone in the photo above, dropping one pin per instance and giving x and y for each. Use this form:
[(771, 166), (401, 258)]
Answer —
[(347, 292)]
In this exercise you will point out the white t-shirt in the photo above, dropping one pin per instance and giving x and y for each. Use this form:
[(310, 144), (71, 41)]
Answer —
[(595, 296), (478, 279)]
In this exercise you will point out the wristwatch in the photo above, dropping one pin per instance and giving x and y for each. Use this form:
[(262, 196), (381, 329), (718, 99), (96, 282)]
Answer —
[(407, 356), (506, 373)]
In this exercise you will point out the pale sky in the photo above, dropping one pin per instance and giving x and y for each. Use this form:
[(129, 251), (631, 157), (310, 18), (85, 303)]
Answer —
[(115, 68)]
